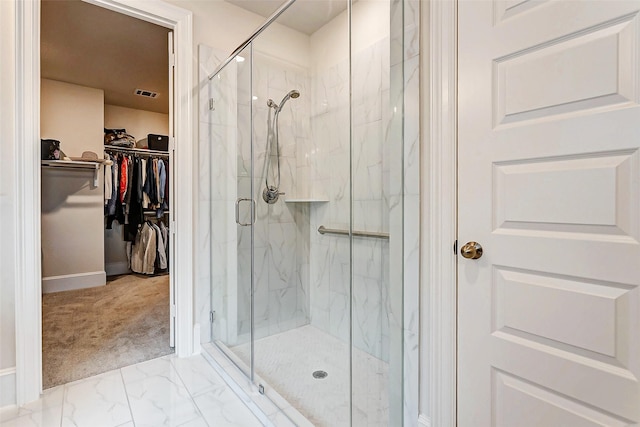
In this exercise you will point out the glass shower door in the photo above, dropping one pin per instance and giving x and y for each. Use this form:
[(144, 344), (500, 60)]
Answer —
[(233, 211), (245, 215)]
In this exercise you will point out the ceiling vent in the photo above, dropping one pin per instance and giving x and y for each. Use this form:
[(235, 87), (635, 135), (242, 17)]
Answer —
[(146, 93)]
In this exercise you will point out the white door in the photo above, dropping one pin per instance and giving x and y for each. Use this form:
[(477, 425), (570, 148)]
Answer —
[(549, 185)]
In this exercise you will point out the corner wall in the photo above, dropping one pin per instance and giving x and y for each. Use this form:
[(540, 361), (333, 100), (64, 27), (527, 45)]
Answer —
[(8, 219)]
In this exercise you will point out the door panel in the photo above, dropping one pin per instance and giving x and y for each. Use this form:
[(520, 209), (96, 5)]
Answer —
[(549, 185)]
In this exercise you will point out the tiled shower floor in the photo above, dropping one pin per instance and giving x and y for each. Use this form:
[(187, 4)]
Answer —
[(286, 362)]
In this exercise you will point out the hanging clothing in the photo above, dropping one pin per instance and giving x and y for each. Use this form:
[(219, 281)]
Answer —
[(149, 184), (165, 237), (123, 177), (162, 180), (108, 180), (145, 197), (114, 209), (165, 203), (143, 255), (140, 183), (135, 215), (111, 204), (127, 198), (161, 255)]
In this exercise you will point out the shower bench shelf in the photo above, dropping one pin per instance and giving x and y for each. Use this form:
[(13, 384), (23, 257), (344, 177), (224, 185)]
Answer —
[(306, 201)]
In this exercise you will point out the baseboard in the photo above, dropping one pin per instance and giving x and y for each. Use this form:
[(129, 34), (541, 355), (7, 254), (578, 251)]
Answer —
[(7, 387), (116, 268), (73, 281), (424, 421), (197, 349)]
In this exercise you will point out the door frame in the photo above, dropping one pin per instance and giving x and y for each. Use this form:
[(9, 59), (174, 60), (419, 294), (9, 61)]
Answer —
[(28, 189), (438, 336)]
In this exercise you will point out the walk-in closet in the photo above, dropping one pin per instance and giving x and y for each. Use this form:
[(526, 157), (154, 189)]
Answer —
[(106, 182)]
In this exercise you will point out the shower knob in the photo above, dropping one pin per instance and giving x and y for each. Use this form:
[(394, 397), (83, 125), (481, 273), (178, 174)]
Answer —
[(471, 250), (271, 195)]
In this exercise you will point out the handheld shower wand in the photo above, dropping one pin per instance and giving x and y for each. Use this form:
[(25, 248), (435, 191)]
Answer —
[(271, 193)]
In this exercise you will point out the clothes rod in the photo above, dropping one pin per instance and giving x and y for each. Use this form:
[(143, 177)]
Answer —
[(142, 151), (323, 230), (255, 34)]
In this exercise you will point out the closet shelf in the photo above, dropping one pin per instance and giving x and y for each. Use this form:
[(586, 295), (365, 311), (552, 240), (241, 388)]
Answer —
[(74, 164), (136, 150)]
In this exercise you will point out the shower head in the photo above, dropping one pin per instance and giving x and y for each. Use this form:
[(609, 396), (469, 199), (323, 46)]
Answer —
[(293, 94)]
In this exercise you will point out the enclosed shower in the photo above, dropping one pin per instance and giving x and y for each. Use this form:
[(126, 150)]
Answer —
[(308, 136)]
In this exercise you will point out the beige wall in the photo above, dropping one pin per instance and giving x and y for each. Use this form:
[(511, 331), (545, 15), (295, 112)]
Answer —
[(72, 207), (72, 114), (138, 123)]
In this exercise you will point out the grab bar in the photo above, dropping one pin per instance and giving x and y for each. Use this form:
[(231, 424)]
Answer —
[(323, 230)]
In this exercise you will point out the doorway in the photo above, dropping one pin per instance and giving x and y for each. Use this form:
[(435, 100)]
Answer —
[(106, 254), (28, 309)]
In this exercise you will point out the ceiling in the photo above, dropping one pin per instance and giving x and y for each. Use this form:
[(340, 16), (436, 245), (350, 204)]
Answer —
[(91, 46), (306, 16)]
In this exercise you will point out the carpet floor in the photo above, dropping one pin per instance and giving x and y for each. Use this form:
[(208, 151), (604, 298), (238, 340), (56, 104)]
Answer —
[(89, 331)]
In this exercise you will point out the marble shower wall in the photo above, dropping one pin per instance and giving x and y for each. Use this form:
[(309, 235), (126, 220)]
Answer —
[(330, 171), (281, 248), (281, 255)]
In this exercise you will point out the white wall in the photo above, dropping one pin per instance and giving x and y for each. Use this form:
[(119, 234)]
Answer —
[(223, 26), (370, 23), (139, 124), (8, 220), (72, 207)]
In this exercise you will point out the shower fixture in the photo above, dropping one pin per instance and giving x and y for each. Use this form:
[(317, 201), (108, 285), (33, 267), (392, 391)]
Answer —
[(271, 193)]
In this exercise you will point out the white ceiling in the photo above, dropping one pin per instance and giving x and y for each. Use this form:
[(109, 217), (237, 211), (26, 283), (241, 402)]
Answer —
[(306, 16), (91, 46)]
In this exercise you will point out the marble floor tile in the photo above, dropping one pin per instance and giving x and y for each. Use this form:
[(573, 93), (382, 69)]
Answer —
[(151, 393), (222, 408), (51, 399), (197, 375), (96, 401), (48, 417), (160, 401)]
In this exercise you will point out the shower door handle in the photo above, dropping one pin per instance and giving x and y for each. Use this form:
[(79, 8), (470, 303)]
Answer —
[(253, 211)]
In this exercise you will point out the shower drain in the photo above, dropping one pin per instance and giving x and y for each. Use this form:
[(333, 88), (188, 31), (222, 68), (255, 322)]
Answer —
[(320, 375)]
